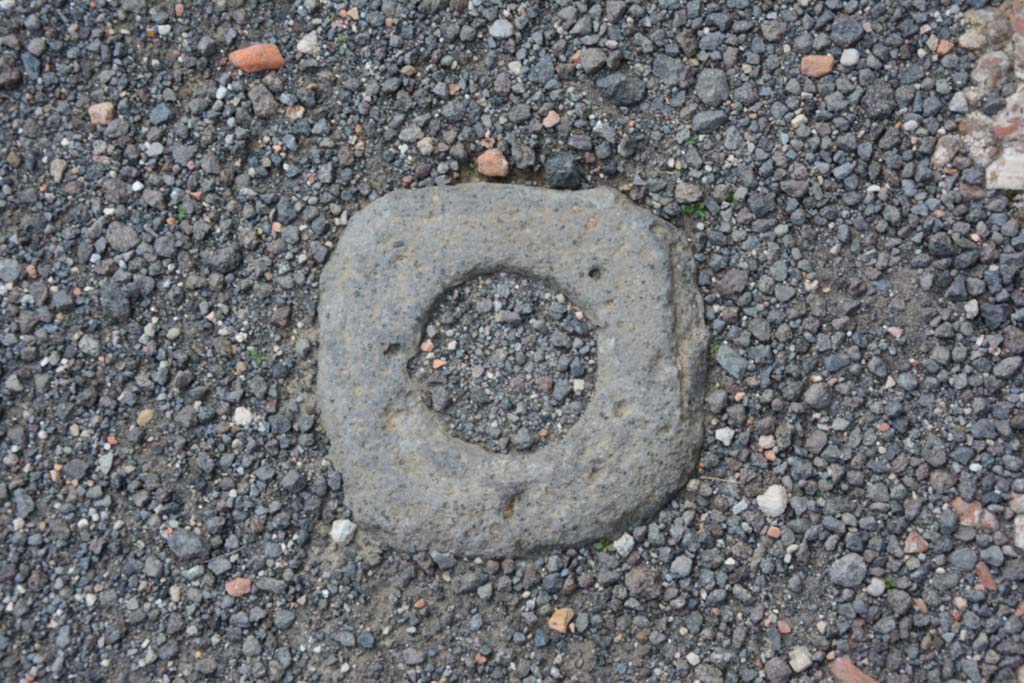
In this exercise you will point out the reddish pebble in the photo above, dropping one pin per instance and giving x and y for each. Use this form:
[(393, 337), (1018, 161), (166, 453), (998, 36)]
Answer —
[(944, 47), (179, 10), (492, 164), (256, 58), (846, 671), (973, 514), (985, 576), (238, 587), (784, 628), (101, 113), (914, 544), (774, 532), (816, 66)]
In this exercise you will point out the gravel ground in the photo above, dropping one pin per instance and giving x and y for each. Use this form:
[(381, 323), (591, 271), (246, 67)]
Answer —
[(507, 362), (166, 508)]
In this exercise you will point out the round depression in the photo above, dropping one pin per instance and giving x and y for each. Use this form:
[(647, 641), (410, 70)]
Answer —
[(507, 362)]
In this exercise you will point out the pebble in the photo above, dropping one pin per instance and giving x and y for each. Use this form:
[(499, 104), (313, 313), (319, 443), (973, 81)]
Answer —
[(730, 360), (800, 659), (725, 435), (624, 544), (309, 44), (712, 87), (560, 619), (238, 587), (186, 545), (622, 89), (242, 416), (816, 66), (257, 58), (501, 29), (709, 121), (914, 544), (492, 163), (846, 671), (561, 172), (773, 501), (849, 57), (687, 193), (101, 113), (681, 567), (848, 571), (343, 531), (846, 31)]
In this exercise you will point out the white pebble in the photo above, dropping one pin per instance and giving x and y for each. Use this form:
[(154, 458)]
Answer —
[(342, 531), (624, 544), (773, 501), (308, 44), (875, 587), (850, 57), (800, 659), (242, 416), (500, 29), (725, 435)]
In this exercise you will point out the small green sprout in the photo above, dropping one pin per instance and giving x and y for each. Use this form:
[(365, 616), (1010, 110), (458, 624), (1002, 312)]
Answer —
[(256, 355), (697, 209)]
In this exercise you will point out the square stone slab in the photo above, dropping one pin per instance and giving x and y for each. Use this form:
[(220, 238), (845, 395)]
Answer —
[(409, 482)]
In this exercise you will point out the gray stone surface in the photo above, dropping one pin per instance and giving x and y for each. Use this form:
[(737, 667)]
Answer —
[(412, 485)]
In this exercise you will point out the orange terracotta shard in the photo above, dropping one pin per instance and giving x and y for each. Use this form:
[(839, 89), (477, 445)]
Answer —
[(256, 58), (846, 671)]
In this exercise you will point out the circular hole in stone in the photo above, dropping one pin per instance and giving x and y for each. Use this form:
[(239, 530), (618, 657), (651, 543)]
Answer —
[(507, 362)]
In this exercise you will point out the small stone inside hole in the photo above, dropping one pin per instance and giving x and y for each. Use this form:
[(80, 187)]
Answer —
[(595, 273), (507, 362)]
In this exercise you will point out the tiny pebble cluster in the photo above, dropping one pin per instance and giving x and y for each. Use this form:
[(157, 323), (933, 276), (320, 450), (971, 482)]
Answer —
[(508, 363)]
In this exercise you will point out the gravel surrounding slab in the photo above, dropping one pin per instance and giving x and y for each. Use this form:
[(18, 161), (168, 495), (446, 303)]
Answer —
[(168, 511), (415, 486)]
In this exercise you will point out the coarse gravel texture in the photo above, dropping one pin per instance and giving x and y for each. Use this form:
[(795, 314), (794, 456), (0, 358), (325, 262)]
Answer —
[(158, 289), (507, 362)]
